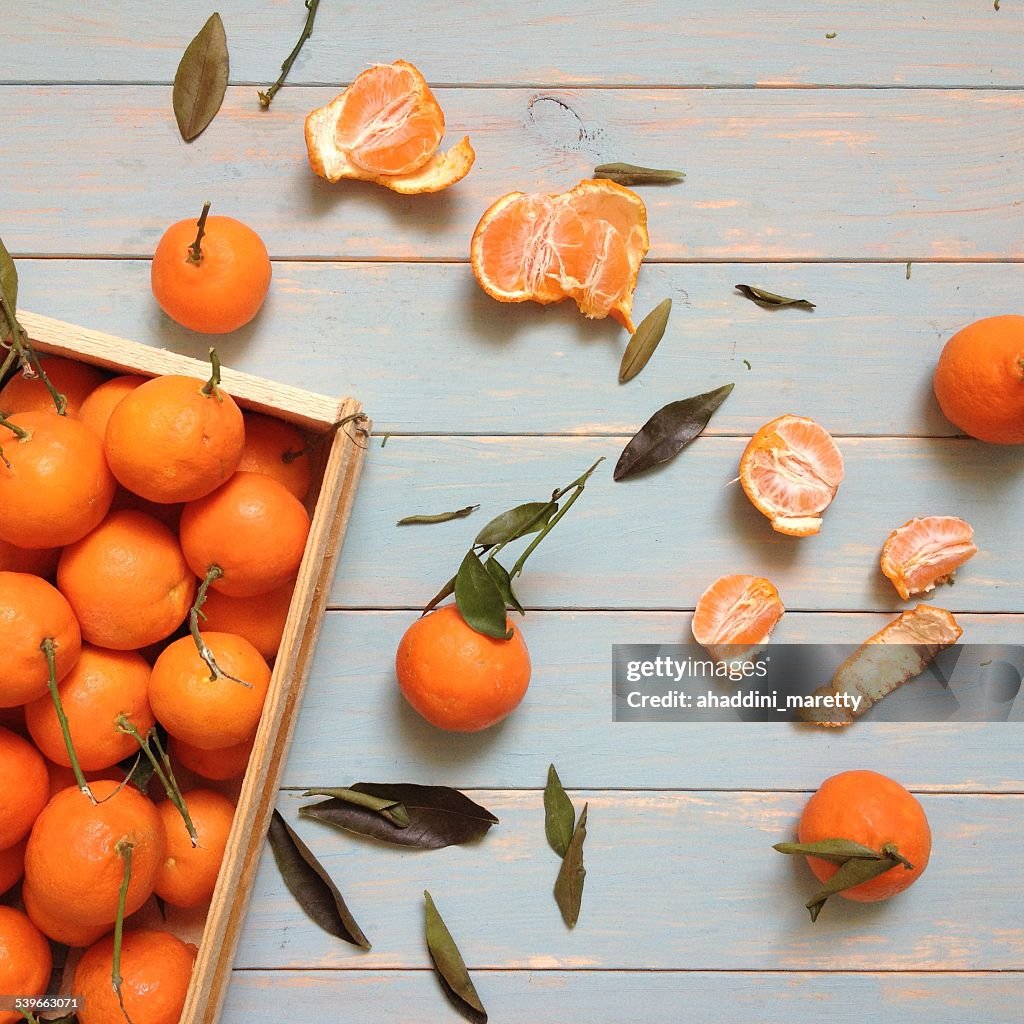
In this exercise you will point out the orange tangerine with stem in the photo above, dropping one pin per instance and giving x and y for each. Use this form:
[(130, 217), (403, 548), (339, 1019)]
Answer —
[(101, 687), (211, 275), (73, 379), (55, 485), (127, 581), (260, 619), (925, 552), (32, 611), (277, 449), (790, 471), (175, 438), (25, 959), (735, 616)]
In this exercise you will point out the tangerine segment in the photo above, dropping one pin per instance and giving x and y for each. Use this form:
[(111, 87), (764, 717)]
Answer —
[(586, 244), (924, 552), (791, 470), (386, 122), (736, 612), (440, 171)]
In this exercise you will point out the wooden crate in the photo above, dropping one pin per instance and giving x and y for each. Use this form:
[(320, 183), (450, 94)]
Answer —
[(334, 487)]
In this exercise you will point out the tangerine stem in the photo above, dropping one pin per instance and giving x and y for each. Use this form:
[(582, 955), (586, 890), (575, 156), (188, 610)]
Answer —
[(266, 98), (19, 432), (214, 573), (170, 784), (577, 487), (195, 253), (49, 649), (210, 387), (124, 851), (26, 354)]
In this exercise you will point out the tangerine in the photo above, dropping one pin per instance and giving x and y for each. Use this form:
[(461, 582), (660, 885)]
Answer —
[(101, 687), (458, 679), (25, 960), (54, 924), (586, 244), (32, 611), (188, 874), (217, 765), (174, 438), (875, 811), (75, 863), (24, 787), (215, 282), (127, 581), (156, 968), (55, 485), (736, 615), (37, 561), (386, 127), (277, 449), (260, 619), (979, 380), (206, 711), (924, 552), (790, 471), (101, 402), (12, 865), (74, 380), (253, 528)]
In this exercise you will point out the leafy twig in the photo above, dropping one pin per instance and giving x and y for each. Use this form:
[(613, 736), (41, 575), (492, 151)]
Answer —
[(266, 98)]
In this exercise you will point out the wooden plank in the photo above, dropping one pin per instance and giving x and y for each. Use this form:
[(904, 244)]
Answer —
[(772, 174), (611, 997), (658, 42), (659, 541), (355, 724), (674, 881), (386, 330)]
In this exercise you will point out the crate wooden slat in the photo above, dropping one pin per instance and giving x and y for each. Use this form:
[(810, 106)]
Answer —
[(341, 426)]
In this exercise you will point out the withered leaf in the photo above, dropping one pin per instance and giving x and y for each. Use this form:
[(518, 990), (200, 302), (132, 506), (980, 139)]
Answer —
[(310, 884), (645, 340), (438, 517), (479, 600), (450, 967), (668, 431), (438, 816), (8, 278), (201, 79), (571, 875), (770, 300), (631, 174), (559, 814)]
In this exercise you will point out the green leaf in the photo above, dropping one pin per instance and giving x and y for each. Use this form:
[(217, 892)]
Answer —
[(645, 340), (310, 884), (479, 599), (835, 851), (446, 591), (769, 299), (8, 278), (515, 523), (668, 431), (438, 517), (854, 872), (438, 816), (559, 814), (450, 967), (572, 874), (201, 79), (388, 808), (500, 575), (631, 174)]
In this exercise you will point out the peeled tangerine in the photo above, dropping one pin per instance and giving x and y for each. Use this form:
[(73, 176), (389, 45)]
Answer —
[(386, 127), (585, 244), (736, 615), (924, 552), (791, 470)]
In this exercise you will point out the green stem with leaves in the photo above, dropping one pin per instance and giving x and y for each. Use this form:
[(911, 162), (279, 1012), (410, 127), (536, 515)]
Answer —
[(49, 649), (266, 98)]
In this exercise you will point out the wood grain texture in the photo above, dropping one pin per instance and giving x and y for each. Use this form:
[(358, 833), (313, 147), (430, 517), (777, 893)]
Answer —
[(428, 351), (656, 41), (659, 540), (356, 726), (614, 997), (771, 174), (674, 881)]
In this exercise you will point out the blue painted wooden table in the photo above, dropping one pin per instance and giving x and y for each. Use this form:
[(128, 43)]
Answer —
[(826, 146)]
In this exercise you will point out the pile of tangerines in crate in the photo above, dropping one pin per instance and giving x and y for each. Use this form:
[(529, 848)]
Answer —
[(150, 535)]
